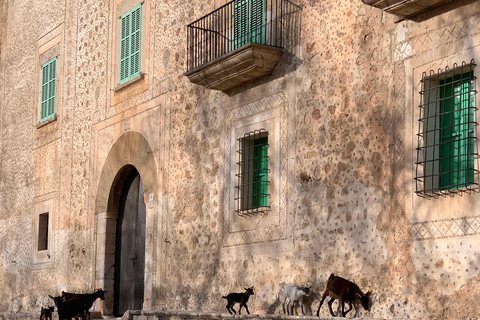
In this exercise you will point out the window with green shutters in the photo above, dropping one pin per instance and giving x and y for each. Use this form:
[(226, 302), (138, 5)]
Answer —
[(49, 72), (130, 44), (252, 187), (248, 22), (446, 152), (456, 131)]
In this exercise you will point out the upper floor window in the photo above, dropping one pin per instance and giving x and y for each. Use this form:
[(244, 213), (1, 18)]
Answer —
[(252, 174), (130, 44), (49, 71), (446, 150), (248, 22)]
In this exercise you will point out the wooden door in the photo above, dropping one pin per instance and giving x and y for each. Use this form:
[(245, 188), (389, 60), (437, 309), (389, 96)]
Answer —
[(130, 247)]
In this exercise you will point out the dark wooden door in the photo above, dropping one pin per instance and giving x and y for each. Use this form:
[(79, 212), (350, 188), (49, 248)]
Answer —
[(130, 247)]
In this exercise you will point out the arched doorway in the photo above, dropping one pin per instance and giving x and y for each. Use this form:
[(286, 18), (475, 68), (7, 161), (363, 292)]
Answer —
[(130, 153), (130, 247)]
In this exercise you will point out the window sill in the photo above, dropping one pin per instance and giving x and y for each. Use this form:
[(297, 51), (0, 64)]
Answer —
[(122, 86), (46, 122)]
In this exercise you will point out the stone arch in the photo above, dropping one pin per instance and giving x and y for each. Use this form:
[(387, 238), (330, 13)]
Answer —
[(131, 150)]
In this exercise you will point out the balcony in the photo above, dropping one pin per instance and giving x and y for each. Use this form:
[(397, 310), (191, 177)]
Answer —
[(405, 8), (239, 42)]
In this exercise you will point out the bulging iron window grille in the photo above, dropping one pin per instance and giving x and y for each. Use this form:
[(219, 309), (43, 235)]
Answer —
[(447, 152), (251, 191)]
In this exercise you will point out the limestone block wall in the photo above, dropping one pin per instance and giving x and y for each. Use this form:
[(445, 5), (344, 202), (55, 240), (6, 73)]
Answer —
[(340, 108)]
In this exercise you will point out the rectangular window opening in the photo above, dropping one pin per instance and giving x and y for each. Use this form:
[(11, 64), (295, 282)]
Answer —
[(447, 152), (252, 194), (130, 44), (49, 72), (43, 232)]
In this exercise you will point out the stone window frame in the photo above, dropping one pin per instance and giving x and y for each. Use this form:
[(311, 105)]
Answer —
[(426, 217), (43, 258), (121, 9), (47, 52), (270, 113)]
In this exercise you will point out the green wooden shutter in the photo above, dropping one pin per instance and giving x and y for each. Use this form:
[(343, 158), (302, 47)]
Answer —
[(456, 132), (260, 173), (248, 22), (49, 71), (240, 23), (130, 44), (257, 18)]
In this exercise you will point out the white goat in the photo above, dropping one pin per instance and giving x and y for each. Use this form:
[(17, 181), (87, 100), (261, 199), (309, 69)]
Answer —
[(294, 293)]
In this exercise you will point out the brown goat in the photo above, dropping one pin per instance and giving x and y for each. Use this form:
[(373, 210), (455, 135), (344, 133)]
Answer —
[(241, 298), (345, 291)]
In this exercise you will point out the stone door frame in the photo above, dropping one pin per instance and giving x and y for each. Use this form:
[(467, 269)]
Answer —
[(131, 150)]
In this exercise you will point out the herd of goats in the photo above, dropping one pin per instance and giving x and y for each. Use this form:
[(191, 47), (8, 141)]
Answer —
[(73, 305)]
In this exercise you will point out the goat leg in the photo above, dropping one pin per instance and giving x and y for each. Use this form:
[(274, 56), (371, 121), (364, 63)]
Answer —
[(330, 302), (321, 302), (349, 309), (229, 305)]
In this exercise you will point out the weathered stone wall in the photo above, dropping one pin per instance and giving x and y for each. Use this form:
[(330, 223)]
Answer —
[(342, 102)]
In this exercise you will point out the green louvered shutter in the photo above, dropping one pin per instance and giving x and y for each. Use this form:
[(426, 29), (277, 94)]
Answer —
[(49, 72), (248, 22), (130, 40), (456, 132), (260, 173)]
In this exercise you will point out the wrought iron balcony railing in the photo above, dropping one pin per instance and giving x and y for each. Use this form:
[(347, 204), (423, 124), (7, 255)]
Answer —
[(268, 22)]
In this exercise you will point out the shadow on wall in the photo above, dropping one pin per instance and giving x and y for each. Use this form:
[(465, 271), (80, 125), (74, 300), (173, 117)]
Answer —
[(431, 13)]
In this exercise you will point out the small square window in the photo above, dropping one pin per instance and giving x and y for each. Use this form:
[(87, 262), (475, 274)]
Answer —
[(446, 150), (43, 232), (252, 192)]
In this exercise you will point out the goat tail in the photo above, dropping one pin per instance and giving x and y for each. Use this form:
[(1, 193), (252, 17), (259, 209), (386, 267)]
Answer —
[(224, 297), (331, 276)]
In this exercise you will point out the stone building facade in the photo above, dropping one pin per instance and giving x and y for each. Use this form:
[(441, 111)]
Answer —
[(337, 102)]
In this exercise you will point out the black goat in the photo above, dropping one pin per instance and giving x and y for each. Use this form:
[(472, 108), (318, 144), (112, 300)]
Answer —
[(46, 313), (241, 298), (76, 305), (86, 298), (69, 309)]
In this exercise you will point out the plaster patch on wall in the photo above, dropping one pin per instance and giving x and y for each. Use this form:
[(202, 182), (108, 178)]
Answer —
[(16, 252), (451, 263)]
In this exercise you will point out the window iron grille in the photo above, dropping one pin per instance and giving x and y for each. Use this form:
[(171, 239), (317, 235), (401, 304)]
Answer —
[(447, 152), (251, 191)]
